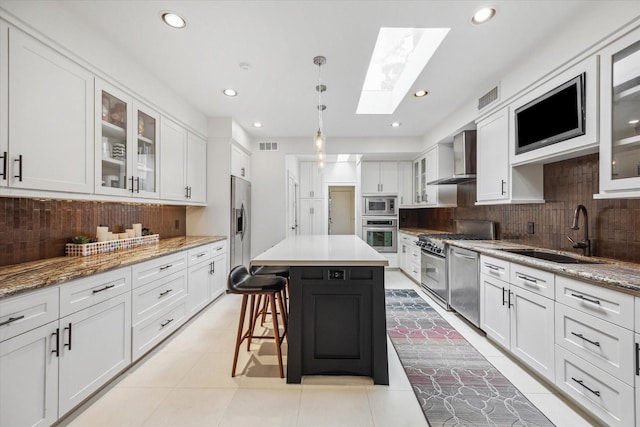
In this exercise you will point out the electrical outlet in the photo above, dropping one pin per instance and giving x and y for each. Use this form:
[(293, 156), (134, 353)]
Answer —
[(530, 228)]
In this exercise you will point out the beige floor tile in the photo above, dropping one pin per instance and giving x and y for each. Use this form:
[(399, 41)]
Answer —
[(262, 407), (162, 369), (397, 408), (213, 370), (191, 407), (335, 407)]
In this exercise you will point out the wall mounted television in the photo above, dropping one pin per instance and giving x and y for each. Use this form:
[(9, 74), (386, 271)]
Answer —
[(556, 116)]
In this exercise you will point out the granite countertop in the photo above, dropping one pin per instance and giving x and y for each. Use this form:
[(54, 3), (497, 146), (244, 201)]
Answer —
[(321, 250), (618, 275), (18, 278)]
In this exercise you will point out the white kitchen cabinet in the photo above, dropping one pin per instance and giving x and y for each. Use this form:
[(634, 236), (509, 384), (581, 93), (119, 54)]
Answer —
[(494, 309), (95, 345), (126, 144), (153, 330), (379, 178), (218, 276), (311, 217), (405, 184), (240, 163), (183, 164), (149, 299), (45, 144), (619, 104), (310, 180), (439, 164), (636, 374), (207, 275), (29, 372)]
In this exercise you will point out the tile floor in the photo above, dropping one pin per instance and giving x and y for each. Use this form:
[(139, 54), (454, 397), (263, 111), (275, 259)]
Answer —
[(186, 381)]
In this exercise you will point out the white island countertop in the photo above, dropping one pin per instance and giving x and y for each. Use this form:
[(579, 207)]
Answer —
[(341, 250)]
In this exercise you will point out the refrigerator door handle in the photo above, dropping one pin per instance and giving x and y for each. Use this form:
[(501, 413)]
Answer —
[(243, 213)]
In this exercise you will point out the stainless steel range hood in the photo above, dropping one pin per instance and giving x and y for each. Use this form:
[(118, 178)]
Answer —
[(464, 159)]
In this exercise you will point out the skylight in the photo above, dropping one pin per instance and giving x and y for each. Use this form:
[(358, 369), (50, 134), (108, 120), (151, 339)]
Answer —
[(398, 58)]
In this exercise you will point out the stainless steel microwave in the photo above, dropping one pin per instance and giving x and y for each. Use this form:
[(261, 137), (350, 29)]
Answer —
[(379, 206)]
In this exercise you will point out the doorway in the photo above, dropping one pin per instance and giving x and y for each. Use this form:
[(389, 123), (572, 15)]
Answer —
[(342, 209)]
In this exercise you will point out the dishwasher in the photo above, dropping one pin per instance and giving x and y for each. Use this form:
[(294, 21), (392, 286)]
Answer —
[(464, 283)]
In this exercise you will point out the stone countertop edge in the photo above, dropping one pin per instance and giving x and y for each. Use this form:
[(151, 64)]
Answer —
[(18, 278)]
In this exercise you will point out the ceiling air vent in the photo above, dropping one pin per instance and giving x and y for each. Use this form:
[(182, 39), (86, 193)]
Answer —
[(488, 98), (268, 146)]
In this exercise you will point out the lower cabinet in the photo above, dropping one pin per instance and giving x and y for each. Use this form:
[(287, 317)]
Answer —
[(29, 372), (311, 217), (148, 333)]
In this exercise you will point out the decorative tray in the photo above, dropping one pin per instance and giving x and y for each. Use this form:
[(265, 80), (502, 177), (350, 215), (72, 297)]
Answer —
[(73, 249)]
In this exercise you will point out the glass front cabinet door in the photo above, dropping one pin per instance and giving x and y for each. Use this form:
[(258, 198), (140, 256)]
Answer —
[(620, 118), (126, 145)]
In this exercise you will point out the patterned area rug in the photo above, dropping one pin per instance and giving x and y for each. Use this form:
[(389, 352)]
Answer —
[(454, 383)]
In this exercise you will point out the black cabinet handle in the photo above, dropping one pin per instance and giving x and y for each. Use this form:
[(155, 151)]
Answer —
[(11, 320), (95, 291), (527, 279), (596, 392), (137, 185), (57, 349), (162, 325), (131, 179), (19, 160), (212, 267), (69, 343), (186, 192), (201, 255), (596, 343), (4, 165), (166, 266), (637, 359), (165, 292), (510, 293), (502, 183), (503, 300), (582, 297)]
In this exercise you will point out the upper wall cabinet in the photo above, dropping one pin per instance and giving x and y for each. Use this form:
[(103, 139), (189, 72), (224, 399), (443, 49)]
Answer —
[(45, 139), (405, 184), (434, 164), (310, 180), (379, 178), (620, 129), (126, 145), (240, 163)]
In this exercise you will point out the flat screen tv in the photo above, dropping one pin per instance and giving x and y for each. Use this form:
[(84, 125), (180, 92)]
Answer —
[(556, 116)]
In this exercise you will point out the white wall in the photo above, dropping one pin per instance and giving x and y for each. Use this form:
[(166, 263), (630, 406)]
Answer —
[(573, 42)]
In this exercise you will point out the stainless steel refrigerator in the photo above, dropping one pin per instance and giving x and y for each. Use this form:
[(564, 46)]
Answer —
[(240, 237)]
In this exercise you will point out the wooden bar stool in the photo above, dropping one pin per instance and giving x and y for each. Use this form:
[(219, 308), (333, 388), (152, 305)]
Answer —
[(263, 270), (271, 288)]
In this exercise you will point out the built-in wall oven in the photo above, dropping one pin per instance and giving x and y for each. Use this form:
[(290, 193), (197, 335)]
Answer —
[(379, 206), (380, 233)]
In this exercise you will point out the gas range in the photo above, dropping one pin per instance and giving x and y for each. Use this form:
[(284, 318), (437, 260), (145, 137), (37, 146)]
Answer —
[(434, 243)]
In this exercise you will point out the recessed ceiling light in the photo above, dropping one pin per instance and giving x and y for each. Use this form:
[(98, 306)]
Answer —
[(173, 20), (399, 56), (634, 121), (420, 93), (256, 124), (395, 124), (230, 92), (483, 15)]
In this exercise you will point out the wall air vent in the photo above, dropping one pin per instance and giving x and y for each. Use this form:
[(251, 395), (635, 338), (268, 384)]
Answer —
[(488, 98), (268, 146)]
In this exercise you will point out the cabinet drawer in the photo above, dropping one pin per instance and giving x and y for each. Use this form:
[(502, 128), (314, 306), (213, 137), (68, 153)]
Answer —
[(494, 267), (153, 297), (415, 254), (414, 272), (152, 331), (83, 293), (607, 346), (199, 255), (606, 397), (28, 311), (406, 238), (532, 279), (607, 304), (153, 270)]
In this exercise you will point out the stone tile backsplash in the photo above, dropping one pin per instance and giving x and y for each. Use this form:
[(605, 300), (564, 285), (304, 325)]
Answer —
[(614, 224), (32, 229)]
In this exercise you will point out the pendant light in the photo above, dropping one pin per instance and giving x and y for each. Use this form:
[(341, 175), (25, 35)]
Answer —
[(320, 141)]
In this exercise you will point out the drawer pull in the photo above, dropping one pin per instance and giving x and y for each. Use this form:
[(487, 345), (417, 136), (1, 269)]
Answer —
[(637, 359), (510, 305), (596, 392), (493, 267), (219, 249), (166, 266), (201, 255), (527, 279), (11, 320), (162, 325), (503, 300), (95, 291), (582, 297), (68, 344), (165, 292), (586, 339), (4, 165), (212, 268), (57, 349)]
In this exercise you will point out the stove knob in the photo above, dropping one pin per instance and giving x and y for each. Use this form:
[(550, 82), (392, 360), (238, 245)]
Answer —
[(438, 250)]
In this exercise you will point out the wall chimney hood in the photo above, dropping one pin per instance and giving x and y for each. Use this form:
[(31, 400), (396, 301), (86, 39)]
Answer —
[(464, 159)]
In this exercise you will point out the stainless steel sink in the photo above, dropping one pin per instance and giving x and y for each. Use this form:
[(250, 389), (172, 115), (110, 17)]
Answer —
[(550, 256)]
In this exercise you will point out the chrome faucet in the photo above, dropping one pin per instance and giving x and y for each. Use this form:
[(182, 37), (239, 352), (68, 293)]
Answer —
[(584, 244)]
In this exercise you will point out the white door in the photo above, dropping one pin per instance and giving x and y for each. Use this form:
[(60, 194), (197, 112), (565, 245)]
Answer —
[(173, 158), (370, 172), (311, 217), (199, 287), (493, 157), (389, 178), (29, 372), (95, 344), (495, 309), (341, 210), (218, 277), (196, 169), (292, 206)]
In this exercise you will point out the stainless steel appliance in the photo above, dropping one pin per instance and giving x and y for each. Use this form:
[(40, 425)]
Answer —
[(385, 206), (380, 233), (464, 159), (436, 273), (464, 283), (240, 238)]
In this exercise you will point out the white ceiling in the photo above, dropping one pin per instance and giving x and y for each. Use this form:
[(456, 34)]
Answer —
[(280, 38)]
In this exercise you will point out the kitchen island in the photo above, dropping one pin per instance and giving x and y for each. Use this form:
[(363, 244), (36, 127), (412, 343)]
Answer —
[(337, 323)]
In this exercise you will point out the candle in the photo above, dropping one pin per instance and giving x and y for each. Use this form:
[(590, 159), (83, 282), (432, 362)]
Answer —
[(130, 232), (102, 234), (122, 235), (137, 229)]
